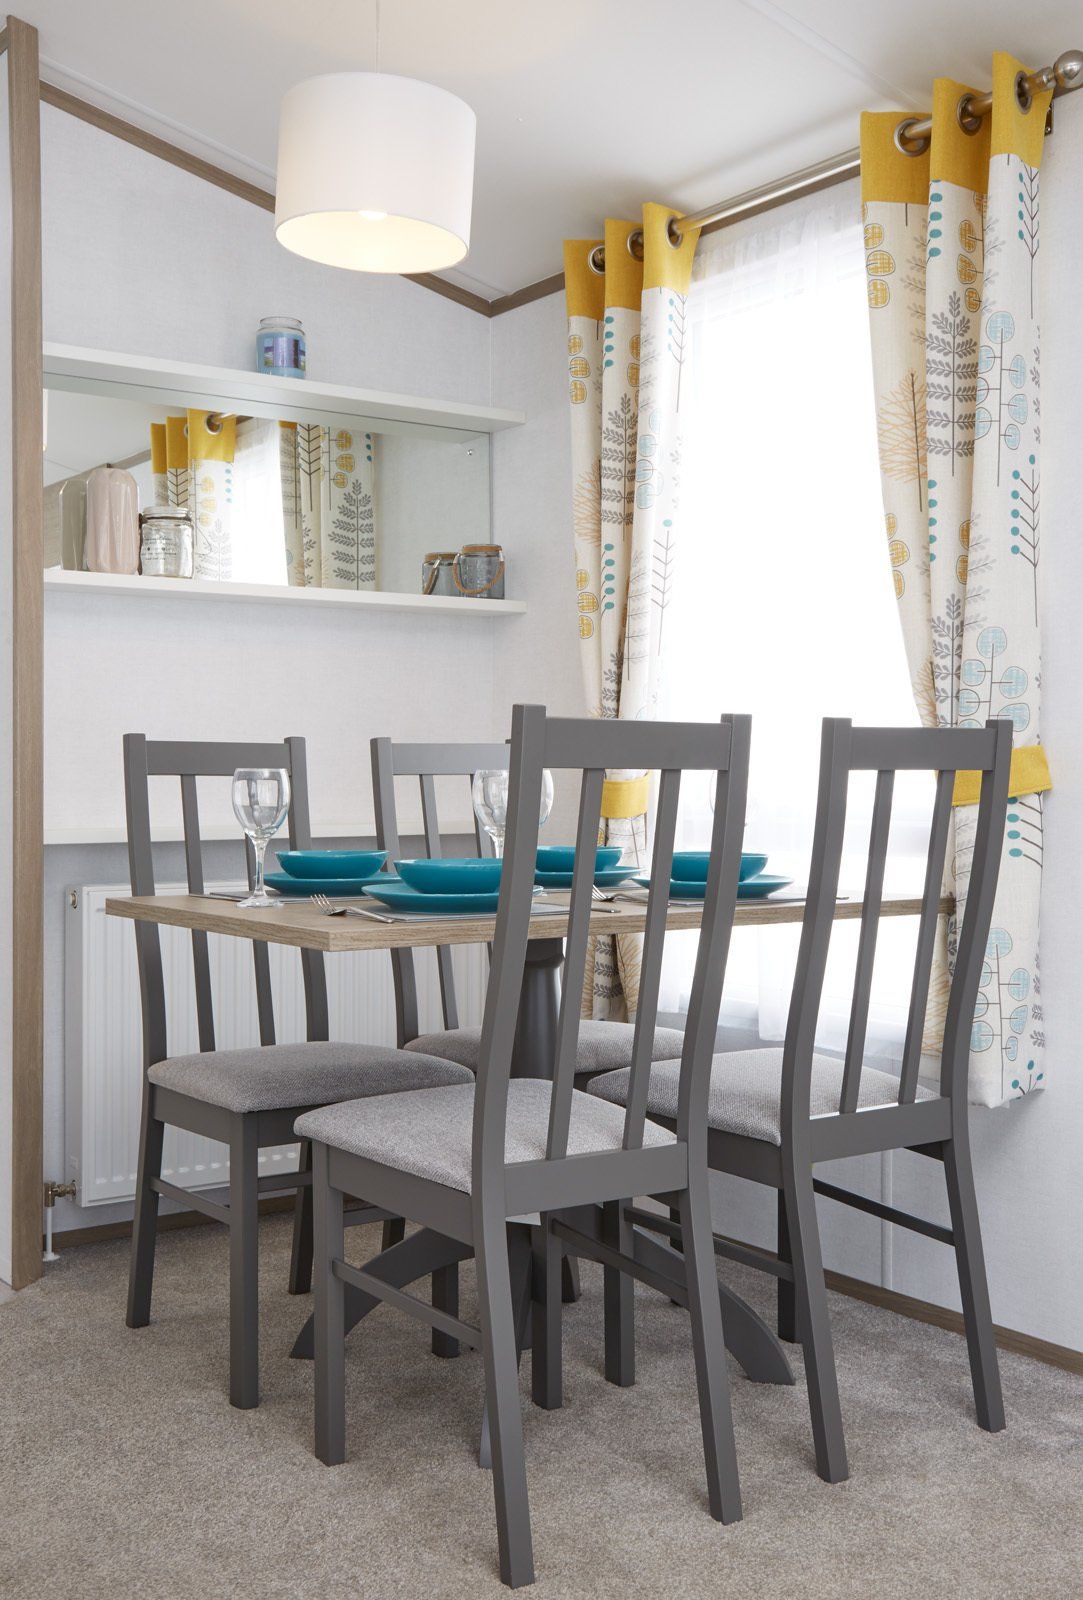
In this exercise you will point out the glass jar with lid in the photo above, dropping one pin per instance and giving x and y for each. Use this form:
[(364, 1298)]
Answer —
[(280, 347), (168, 542)]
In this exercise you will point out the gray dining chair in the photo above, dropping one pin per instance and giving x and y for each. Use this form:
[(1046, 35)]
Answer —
[(246, 1098), (479, 1162), (602, 1045), (774, 1115)]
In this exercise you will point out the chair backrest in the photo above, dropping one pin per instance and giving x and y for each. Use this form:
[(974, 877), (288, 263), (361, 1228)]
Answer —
[(426, 763), (145, 759), (886, 751), (590, 746)]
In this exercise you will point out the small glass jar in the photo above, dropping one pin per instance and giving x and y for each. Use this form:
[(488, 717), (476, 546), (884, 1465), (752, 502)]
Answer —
[(438, 572), (168, 542), (280, 347), (479, 572)]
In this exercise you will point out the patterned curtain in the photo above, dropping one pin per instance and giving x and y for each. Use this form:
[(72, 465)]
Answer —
[(328, 506), (626, 352), (192, 460), (951, 236)]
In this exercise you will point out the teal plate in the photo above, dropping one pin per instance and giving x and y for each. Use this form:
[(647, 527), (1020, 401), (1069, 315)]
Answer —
[(757, 888), (679, 888), (604, 878), (302, 888), (400, 897), (761, 886)]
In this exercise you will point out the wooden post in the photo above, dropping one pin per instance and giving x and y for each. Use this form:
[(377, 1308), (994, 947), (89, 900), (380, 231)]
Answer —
[(24, 133)]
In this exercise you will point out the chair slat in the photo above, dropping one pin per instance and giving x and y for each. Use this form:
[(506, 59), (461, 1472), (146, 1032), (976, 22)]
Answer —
[(434, 847), (866, 950), (299, 823), (575, 960), (403, 970), (650, 970), (193, 860), (939, 831)]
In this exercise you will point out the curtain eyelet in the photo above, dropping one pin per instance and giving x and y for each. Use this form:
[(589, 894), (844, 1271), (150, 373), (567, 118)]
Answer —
[(213, 422), (674, 234), (596, 259), (635, 244), (902, 134), (1024, 98), (968, 120)]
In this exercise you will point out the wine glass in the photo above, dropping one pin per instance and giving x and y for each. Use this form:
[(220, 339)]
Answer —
[(261, 799), (489, 793)]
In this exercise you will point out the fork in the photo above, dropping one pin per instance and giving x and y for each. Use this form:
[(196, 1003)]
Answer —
[(321, 902), (617, 894)]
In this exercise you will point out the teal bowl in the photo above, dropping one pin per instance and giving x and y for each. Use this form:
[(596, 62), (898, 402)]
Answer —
[(452, 875), (561, 857), (331, 863), (690, 866)]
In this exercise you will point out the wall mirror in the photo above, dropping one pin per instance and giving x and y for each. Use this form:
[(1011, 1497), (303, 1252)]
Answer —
[(339, 501)]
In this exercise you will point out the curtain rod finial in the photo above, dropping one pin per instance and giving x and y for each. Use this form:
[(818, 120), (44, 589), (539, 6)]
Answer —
[(1068, 69)]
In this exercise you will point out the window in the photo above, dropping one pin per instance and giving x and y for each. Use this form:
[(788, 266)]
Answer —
[(783, 604)]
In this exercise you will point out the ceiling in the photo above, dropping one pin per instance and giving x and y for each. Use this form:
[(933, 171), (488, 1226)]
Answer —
[(585, 107)]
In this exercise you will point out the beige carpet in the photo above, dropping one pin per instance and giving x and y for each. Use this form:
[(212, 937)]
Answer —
[(124, 1472)]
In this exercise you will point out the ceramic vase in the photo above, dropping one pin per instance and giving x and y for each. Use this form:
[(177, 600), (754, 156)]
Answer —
[(112, 521)]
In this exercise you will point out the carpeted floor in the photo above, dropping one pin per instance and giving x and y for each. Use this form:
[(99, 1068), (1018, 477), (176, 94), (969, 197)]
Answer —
[(125, 1473)]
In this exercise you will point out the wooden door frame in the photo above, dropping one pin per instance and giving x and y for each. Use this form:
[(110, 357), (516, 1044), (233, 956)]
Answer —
[(19, 44)]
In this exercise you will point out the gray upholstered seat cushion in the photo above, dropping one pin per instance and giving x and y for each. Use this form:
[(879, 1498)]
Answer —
[(271, 1077), (602, 1045), (746, 1091), (428, 1133)]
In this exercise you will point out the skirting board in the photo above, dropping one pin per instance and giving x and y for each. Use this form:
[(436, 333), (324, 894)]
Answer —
[(904, 1305)]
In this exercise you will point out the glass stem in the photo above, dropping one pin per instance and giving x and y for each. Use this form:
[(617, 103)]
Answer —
[(498, 843), (259, 846)]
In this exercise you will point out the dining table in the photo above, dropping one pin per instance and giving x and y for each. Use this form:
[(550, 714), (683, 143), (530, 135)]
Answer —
[(305, 926)]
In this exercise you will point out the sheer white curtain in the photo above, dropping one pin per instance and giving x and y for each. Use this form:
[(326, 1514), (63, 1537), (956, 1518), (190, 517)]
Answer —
[(783, 603)]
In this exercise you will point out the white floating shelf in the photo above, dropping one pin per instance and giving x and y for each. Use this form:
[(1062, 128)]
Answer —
[(171, 383), (59, 580)]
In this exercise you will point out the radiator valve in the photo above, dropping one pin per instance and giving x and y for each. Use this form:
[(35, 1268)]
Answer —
[(53, 1193)]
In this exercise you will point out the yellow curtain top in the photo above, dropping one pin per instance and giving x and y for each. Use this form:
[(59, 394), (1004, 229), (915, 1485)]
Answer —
[(666, 265), (1014, 131), (1029, 775), (157, 447), (176, 442), (623, 273), (205, 444), (583, 287), (956, 156), (888, 173)]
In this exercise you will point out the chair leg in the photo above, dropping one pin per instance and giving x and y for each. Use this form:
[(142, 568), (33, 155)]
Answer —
[(394, 1232), (301, 1253), (973, 1286), (814, 1324), (708, 1343), (329, 1316), (619, 1301), (244, 1263), (445, 1297), (546, 1374), (787, 1301), (498, 1331), (570, 1287), (145, 1223)]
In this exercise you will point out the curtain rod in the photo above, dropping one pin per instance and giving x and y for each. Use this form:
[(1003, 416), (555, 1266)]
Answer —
[(912, 134)]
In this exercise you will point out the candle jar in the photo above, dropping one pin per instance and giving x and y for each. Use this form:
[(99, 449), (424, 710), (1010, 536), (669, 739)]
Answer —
[(168, 542), (280, 347)]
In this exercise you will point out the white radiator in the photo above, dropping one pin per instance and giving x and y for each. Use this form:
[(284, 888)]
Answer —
[(103, 1032)]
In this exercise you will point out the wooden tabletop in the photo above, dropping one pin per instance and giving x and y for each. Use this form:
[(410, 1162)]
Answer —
[(302, 925)]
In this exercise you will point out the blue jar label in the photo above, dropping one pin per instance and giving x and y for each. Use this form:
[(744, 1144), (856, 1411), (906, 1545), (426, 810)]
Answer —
[(282, 354)]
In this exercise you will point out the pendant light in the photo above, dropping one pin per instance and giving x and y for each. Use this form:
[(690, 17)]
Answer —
[(375, 172)]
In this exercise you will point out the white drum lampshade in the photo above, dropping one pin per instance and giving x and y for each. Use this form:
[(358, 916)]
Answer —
[(375, 173)]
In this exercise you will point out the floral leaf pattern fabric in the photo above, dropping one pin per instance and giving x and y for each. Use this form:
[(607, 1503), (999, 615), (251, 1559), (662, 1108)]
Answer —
[(951, 237), (626, 353), (329, 506)]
